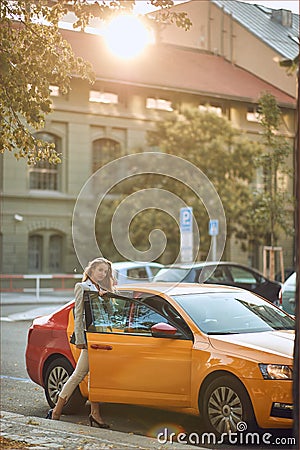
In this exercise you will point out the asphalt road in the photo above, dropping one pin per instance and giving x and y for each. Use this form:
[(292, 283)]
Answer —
[(20, 395)]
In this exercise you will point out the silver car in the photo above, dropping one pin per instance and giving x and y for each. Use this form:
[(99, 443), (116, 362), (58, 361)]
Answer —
[(289, 294), (135, 271)]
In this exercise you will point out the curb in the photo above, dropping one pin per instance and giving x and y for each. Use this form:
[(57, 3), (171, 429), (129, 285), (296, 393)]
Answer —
[(44, 434)]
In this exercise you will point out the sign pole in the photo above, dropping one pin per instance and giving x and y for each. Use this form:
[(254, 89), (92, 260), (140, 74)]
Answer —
[(213, 231), (214, 247)]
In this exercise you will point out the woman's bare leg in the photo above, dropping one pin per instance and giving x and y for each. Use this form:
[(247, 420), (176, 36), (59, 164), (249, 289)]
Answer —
[(57, 410), (95, 412)]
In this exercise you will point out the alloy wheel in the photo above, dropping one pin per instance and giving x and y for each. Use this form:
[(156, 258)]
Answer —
[(57, 378), (225, 409)]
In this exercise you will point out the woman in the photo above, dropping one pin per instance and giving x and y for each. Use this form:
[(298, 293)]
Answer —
[(98, 277)]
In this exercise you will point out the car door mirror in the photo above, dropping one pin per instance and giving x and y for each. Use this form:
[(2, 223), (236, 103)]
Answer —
[(163, 330)]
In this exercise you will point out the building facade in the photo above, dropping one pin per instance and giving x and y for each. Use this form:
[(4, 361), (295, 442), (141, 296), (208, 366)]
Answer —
[(221, 64)]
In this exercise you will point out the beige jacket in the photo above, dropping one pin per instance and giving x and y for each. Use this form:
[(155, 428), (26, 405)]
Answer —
[(79, 323)]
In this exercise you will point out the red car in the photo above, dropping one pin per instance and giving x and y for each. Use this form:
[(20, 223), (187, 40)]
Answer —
[(49, 358)]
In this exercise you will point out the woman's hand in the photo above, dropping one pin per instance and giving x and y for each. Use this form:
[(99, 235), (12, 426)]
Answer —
[(102, 292), (81, 346)]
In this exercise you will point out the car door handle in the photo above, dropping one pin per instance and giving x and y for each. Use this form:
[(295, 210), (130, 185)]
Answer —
[(101, 347)]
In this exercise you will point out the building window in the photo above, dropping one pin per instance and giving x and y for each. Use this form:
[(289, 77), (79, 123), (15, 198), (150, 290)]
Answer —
[(252, 114), (54, 91), (45, 252), (35, 253), (55, 253), (45, 176), (211, 108), (104, 151), (159, 103), (103, 97)]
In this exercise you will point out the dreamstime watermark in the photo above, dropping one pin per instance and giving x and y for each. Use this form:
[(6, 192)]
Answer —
[(240, 437), (96, 191)]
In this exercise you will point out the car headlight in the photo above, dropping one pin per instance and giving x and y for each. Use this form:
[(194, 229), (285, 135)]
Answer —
[(276, 372)]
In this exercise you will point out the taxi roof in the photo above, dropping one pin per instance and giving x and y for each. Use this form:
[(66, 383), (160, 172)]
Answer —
[(177, 288)]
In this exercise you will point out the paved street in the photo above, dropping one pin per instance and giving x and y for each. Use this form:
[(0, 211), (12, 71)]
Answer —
[(19, 395)]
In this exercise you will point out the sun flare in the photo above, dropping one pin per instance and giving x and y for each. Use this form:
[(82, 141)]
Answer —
[(126, 36)]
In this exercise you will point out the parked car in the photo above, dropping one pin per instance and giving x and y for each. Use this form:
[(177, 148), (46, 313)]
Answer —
[(220, 352), (135, 271), (286, 273), (288, 294), (227, 273)]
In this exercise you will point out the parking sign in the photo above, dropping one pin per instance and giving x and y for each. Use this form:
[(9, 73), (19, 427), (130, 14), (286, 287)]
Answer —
[(213, 229), (186, 219), (186, 234)]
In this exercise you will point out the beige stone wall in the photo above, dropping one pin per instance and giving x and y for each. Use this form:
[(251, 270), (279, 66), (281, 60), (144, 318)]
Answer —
[(78, 122), (215, 31), (48, 213)]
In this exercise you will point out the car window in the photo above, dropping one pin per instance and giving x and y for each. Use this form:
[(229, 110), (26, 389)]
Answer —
[(102, 313), (175, 274), (170, 313), (134, 274), (219, 275), (233, 312), (143, 318), (242, 276), (154, 270), (137, 272), (121, 315)]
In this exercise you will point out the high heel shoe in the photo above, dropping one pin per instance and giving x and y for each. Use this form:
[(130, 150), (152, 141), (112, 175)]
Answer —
[(49, 414), (100, 425)]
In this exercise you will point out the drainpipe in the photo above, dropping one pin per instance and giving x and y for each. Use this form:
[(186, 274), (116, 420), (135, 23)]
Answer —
[(231, 39), (208, 28), (222, 32)]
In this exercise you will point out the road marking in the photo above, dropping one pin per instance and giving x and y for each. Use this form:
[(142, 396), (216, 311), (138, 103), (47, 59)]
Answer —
[(8, 377)]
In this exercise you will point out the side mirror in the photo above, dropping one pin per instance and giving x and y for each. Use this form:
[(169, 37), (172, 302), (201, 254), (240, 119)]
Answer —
[(163, 330)]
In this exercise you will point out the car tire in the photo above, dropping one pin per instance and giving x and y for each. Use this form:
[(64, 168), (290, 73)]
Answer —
[(226, 407), (57, 374)]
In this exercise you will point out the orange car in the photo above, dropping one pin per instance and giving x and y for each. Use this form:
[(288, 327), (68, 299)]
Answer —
[(218, 351)]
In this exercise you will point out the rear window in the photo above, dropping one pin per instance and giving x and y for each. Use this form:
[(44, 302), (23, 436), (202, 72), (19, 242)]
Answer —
[(175, 274)]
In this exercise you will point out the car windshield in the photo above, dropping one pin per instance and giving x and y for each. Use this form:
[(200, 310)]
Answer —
[(174, 274), (233, 312)]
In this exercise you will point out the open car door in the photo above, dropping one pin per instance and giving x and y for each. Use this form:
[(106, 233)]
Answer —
[(132, 362)]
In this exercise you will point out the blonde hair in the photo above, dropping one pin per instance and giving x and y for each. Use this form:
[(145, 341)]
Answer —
[(108, 281)]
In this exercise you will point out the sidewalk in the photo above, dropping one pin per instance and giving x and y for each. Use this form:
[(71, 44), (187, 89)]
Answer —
[(33, 307), (45, 434), (19, 298)]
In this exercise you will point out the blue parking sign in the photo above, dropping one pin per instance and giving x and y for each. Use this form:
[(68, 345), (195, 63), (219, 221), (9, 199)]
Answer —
[(213, 229), (186, 234), (186, 219)]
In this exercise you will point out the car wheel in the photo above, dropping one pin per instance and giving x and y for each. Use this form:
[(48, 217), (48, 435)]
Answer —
[(57, 374), (226, 406)]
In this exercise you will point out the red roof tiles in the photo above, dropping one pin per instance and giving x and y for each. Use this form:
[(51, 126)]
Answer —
[(175, 68)]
